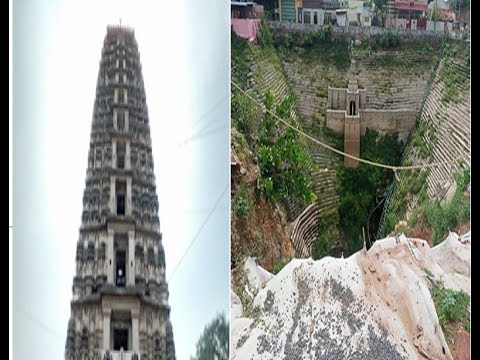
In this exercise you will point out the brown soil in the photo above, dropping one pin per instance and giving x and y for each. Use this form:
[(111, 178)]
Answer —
[(458, 340), (263, 233), (421, 231)]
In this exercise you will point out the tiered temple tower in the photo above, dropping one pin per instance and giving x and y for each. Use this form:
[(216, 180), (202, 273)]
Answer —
[(120, 305)]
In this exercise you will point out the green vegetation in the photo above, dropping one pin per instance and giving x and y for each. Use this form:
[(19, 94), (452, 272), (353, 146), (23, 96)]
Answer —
[(428, 272), (454, 80), (385, 41), (239, 59), (317, 46), (326, 235), (214, 341), (422, 129), (322, 35), (285, 166), (279, 265), (243, 112), (243, 201), (265, 38), (463, 4), (456, 212), (358, 186), (451, 306)]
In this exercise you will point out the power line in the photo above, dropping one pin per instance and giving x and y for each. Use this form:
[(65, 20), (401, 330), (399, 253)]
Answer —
[(202, 135), (211, 109), (198, 232), (204, 127), (373, 163), (40, 323)]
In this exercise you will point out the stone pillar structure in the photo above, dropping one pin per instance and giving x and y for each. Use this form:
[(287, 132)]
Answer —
[(106, 328), (111, 301)]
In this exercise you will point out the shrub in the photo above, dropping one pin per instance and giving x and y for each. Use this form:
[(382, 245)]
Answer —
[(285, 166), (243, 112), (359, 186), (243, 201), (279, 265), (456, 212), (451, 306), (326, 234), (265, 38), (239, 61)]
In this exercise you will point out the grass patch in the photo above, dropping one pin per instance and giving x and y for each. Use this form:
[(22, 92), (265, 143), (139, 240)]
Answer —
[(451, 306), (454, 80), (443, 218), (239, 59), (327, 234), (279, 265), (243, 201), (284, 163)]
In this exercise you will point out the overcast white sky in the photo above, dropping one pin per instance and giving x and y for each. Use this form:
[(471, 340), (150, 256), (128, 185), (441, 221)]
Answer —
[(184, 51)]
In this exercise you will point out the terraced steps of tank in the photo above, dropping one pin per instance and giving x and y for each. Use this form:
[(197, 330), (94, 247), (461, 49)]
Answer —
[(452, 128)]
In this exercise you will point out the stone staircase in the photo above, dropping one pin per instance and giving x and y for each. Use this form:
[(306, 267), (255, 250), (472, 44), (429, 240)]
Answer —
[(394, 87), (266, 74), (451, 124)]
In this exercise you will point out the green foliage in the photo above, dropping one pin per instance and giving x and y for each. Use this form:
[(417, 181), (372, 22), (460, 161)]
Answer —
[(265, 38), (315, 47), (385, 41), (392, 220), (456, 212), (243, 201), (243, 112), (285, 166), (239, 59), (451, 306), (453, 80), (418, 182), (214, 341), (322, 35), (358, 186), (326, 235), (287, 39), (463, 4), (418, 138), (279, 265)]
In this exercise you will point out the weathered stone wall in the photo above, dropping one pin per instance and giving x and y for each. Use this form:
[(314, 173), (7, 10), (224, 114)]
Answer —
[(389, 121), (447, 137), (352, 139), (384, 121), (352, 31), (335, 120), (339, 100)]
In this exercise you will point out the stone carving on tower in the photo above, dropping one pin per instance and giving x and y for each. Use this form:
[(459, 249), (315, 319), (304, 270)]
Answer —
[(119, 308)]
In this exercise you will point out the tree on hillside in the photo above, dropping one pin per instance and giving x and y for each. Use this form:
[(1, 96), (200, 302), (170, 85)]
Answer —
[(213, 343), (381, 9), (269, 7), (454, 4)]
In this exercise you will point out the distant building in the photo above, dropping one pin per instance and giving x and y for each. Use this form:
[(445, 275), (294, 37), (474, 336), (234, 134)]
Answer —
[(245, 18), (316, 12), (407, 14), (440, 16), (245, 10), (341, 17), (287, 10)]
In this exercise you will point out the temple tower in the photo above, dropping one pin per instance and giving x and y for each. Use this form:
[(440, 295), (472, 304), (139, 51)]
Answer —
[(120, 305)]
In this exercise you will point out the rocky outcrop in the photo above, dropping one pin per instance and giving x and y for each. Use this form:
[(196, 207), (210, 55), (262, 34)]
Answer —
[(376, 304)]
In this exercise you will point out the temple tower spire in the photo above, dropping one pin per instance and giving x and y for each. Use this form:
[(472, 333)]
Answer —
[(119, 307)]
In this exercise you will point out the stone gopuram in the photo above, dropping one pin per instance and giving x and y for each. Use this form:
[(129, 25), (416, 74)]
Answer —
[(348, 113), (119, 308)]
